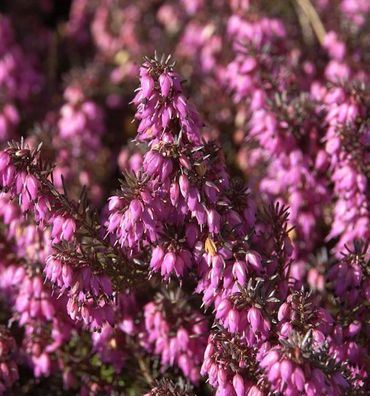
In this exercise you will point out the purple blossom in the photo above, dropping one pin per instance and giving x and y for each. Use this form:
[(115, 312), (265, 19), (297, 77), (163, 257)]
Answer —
[(206, 233)]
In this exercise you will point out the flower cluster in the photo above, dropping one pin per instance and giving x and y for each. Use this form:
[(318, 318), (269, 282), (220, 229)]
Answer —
[(175, 334), (201, 231)]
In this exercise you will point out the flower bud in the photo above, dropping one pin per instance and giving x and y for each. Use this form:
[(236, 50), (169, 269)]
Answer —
[(157, 258), (239, 385), (165, 83)]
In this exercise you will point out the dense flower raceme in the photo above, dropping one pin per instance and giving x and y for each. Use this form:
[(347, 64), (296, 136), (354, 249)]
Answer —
[(79, 139), (349, 275), (15, 85), (285, 125), (291, 126), (187, 280), (37, 311), (48, 316), (347, 143), (176, 333), (69, 264), (170, 184), (18, 77)]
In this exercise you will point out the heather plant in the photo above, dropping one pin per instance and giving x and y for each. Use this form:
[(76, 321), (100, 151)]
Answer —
[(185, 224)]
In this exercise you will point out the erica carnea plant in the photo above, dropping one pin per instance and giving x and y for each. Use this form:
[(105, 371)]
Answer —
[(204, 231)]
